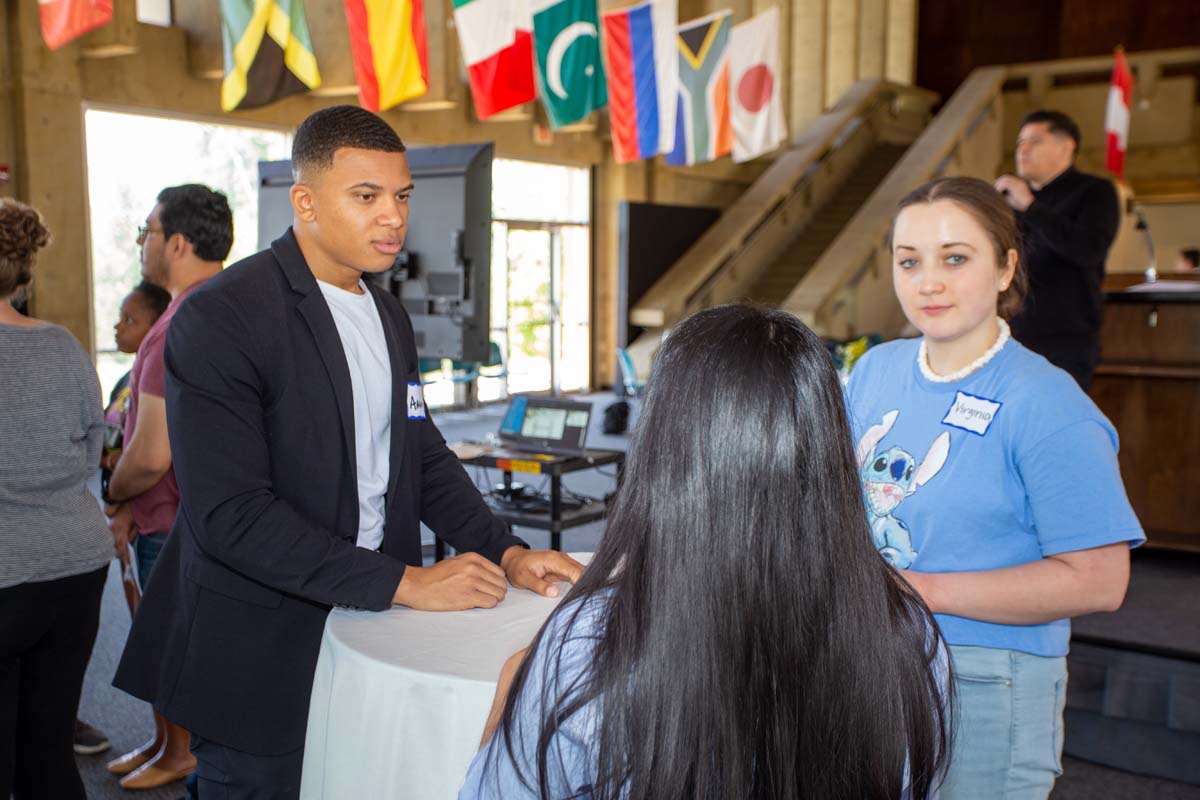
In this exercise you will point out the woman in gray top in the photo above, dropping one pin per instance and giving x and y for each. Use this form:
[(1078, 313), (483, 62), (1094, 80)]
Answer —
[(54, 543)]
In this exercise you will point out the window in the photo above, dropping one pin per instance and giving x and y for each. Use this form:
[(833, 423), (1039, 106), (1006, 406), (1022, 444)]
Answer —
[(541, 278), (130, 158)]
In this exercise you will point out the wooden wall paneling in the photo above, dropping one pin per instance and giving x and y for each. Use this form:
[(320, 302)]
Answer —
[(1158, 451), (611, 183), (872, 38), (1089, 28), (1167, 119), (808, 65), (48, 127), (8, 101), (1148, 385), (900, 57), (1152, 333), (841, 55)]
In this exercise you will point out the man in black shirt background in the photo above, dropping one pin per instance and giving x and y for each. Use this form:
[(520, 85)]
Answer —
[(1068, 221)]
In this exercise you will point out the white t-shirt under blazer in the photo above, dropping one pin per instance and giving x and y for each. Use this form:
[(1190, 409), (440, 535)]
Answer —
[(361, 332)]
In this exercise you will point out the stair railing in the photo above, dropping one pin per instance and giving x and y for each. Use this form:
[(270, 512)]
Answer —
[(750, 235), (848, 291)]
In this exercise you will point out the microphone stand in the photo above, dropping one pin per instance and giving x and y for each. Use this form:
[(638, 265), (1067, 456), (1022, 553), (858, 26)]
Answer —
[(1144, 229)]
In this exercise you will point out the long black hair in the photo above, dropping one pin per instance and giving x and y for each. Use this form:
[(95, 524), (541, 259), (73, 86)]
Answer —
[(752, 642)]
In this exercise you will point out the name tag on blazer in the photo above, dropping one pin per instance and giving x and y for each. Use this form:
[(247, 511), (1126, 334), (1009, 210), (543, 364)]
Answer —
[(416, 401)]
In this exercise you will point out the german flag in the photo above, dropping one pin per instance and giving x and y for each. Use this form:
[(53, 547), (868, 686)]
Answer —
[(391, 60), (268, 52)]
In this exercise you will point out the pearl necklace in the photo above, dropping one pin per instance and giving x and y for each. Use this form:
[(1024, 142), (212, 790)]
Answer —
[(997, 346)]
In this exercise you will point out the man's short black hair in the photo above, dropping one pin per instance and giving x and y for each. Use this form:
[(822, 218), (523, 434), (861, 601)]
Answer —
[(1192, 254), (1057, 122), (330, 129), (202, 215)]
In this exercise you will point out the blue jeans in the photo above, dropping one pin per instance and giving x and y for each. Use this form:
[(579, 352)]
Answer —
[(146, 548), (1008, 724)]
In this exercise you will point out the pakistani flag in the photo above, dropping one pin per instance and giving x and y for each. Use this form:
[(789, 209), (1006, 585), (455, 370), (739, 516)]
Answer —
[(566, 41)]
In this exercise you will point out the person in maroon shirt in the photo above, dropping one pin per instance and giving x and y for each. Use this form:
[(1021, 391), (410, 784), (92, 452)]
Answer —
[(185, 240)]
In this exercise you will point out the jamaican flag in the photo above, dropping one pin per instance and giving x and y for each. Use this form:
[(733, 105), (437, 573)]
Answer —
[(268, 52)]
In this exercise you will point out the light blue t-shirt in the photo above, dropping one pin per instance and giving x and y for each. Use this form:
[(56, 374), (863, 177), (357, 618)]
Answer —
[(573, 755), (561, 661), (1007, 466)]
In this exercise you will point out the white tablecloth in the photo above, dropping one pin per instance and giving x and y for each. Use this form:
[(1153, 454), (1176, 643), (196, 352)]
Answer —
[(400, 697)]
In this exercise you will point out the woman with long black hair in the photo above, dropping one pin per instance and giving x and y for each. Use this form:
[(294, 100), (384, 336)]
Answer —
[(736, 635)]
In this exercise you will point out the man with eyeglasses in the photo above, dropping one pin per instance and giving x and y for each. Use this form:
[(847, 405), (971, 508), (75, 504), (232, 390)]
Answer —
[(183, 243)]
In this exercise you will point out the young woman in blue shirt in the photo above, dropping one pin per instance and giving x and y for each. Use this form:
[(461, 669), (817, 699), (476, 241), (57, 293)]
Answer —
[(991, 481)]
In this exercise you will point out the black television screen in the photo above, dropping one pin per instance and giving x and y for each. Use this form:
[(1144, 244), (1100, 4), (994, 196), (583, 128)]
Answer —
[(443, 274)]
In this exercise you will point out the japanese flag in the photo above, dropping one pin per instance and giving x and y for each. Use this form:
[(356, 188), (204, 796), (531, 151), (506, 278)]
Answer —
[(755, 94)]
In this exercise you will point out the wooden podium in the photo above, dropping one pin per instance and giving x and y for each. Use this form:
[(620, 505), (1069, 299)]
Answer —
[(1148, 385)]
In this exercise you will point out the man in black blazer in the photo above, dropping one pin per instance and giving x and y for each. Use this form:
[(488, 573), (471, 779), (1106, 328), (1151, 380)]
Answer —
[(306, 462), (1068, 221)]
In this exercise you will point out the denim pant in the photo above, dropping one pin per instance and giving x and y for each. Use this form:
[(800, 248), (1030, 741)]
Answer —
[(1008, 724), (146, 548)]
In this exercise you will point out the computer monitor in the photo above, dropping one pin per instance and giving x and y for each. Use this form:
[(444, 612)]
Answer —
[(546, 425)]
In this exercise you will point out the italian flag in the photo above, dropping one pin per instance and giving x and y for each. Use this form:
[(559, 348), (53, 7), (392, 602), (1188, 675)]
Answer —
[(496, 37), (387, 41)]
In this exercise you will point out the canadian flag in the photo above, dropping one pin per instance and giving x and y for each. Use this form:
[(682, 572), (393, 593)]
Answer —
[(1116, 118)]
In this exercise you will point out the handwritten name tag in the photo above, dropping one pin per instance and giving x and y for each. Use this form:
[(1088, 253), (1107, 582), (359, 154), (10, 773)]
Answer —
[(416, 401), (971, 413)]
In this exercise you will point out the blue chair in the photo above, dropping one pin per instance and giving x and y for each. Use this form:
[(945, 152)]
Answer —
[(467, 371), (430, 369), (629, 381)]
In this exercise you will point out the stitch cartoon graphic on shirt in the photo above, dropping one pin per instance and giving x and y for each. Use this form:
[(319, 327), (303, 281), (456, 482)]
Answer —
[(887, 479)]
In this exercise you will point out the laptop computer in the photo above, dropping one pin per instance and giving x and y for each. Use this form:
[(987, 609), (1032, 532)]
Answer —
[(545, 425)]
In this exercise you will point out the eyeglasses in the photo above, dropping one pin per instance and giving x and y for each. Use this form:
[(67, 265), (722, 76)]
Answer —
[(144, 232)]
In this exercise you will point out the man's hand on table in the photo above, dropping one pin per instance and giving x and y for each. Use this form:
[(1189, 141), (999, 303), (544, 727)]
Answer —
[(539, 570), (471, 581), (456, 584)]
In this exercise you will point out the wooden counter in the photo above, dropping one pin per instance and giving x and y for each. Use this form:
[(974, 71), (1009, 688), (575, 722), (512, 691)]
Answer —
[(1148, 385)]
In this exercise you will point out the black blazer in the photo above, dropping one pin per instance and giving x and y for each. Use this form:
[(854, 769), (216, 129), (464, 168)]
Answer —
[(261, 422)]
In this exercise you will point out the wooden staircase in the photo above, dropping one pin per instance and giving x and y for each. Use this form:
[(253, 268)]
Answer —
[(826, 224)]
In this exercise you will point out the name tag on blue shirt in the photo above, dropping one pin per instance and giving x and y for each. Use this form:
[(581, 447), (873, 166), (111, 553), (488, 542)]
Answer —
[(971, 413), (416, 401)]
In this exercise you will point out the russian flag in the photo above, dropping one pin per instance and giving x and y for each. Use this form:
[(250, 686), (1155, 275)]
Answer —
[(637, 113)]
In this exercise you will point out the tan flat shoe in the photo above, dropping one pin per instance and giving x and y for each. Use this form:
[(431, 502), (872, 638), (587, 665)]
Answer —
[(129, 762), (151, 776)]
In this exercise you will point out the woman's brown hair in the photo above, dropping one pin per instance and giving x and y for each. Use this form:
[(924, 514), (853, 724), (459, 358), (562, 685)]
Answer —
[(981, 200), (22, 234)]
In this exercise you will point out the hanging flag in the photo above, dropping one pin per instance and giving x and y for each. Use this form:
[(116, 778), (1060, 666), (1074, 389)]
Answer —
[(64, 20), (496, 39), (387, 42), (702, 127), (643, 79), (755, 96), (566, 41), (268, 53), (1116, 118)]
